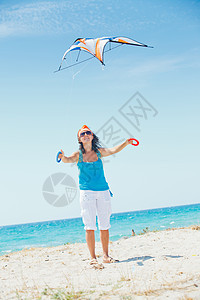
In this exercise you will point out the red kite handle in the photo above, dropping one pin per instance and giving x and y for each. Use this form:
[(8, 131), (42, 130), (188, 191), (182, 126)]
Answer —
[(134, 144)]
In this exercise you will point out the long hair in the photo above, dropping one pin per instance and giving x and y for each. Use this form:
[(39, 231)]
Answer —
[(95, 144)]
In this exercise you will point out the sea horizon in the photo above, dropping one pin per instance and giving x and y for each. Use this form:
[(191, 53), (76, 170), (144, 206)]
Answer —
[(123, 212)]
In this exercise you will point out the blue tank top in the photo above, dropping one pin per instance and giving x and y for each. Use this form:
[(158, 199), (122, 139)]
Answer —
[(91, 174)]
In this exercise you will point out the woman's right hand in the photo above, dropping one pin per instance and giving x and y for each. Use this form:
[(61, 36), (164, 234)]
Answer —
[(61, 155)]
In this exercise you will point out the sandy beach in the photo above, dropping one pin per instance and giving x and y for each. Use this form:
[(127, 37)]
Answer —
[(161, 265)]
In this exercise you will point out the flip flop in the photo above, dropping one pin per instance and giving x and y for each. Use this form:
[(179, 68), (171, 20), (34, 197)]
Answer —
[(94, 263), (111, 260)]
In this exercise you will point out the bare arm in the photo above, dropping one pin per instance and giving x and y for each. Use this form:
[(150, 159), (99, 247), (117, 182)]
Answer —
[(70, 159), (110, 151)]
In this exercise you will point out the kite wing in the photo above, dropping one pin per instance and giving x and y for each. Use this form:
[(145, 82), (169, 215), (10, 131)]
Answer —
[(96, 46)]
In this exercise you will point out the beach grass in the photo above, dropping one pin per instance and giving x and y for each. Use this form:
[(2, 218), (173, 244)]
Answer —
[(116, 290), (54, 294)]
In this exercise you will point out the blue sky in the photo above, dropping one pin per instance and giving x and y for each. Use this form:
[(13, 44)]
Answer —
[(41, 111)]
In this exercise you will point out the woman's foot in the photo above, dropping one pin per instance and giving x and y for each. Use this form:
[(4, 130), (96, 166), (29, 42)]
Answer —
[(108, 260), (94, 263)]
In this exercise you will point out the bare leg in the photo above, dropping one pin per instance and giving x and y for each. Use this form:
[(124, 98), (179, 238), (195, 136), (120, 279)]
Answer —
[(104, 236), (90, 239)]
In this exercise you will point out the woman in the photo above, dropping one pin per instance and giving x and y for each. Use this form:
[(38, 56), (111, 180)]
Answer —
[(95, 196)]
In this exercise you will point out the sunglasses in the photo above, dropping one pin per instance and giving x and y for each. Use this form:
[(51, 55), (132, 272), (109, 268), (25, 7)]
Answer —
[(85, 132)]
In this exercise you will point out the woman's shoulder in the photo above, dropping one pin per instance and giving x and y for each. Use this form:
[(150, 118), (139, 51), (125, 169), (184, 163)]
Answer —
[(99, 151), (79, 155), (76, 156), (76, 153)]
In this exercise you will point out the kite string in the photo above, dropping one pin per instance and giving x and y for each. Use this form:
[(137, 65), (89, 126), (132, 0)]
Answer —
[(79, 71), (72, 82), (84, 66)]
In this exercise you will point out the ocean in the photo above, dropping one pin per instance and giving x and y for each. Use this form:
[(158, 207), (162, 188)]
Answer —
[(59, 232)]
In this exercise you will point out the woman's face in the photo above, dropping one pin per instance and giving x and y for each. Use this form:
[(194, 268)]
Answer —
[(85, 137)]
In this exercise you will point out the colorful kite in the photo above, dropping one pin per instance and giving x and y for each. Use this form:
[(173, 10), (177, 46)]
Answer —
[(96, 47)]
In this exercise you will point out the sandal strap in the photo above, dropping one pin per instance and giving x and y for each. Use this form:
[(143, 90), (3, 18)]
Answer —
[(112, 260), (95, 264), (93, 261)]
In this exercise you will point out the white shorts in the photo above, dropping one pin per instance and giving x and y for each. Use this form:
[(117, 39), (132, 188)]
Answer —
[(95, 203)]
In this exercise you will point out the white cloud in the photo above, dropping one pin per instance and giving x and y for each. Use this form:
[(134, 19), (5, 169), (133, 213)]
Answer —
[(32, 18), (66, 16), (5, 30), (45, 17), (157, 66), (165, 64)]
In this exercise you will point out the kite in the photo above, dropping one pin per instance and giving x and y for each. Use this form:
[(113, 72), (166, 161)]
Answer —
[(96, 47)]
